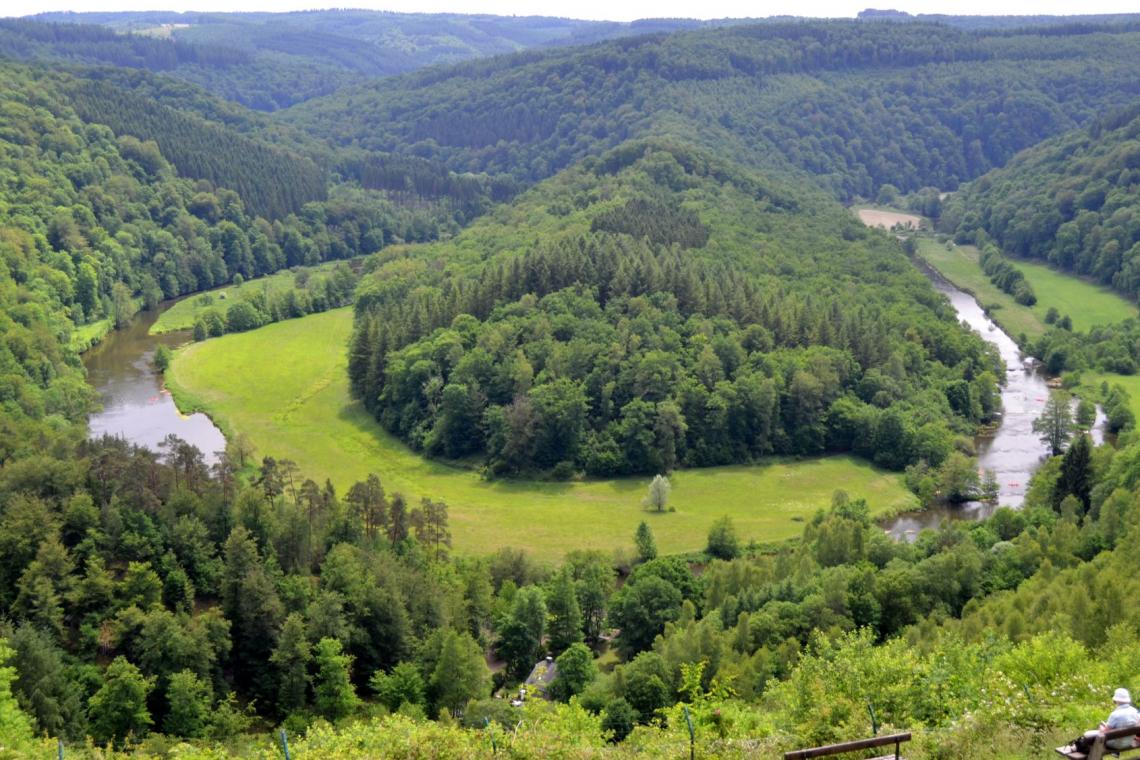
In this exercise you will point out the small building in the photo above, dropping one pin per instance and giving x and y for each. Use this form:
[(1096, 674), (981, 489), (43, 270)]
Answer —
[(540, 678)]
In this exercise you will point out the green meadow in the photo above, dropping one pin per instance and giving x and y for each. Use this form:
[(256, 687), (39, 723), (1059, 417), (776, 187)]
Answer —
[(1090, 387), (1086, 304), (182, 315), (285, 387)]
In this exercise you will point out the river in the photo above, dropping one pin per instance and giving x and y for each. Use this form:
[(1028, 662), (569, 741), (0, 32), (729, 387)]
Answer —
[(135, 405), (1013, 451)]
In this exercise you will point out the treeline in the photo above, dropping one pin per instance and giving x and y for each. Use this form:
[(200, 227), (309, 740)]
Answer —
[(39, 40), (272, 182), (202, 135), (1006, 276), (269, 61), (1071, 202), (253, 309), (408, 179), (610, 353), (857, 105), (107, 223)]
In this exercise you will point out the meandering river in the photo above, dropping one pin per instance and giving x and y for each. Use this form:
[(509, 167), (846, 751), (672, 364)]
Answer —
[(137, 408), (135, 405), (1013, 451)]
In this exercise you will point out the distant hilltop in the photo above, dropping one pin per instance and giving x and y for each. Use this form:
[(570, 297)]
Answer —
[(996, 22)]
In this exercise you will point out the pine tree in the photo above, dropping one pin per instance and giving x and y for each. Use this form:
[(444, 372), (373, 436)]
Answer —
[(291, 657), (646, 544), (565, 614), (333, 695), (1076, 476)]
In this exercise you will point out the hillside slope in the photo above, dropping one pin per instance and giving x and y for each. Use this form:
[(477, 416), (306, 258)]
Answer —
[(655, 308), (1073, 201), (857, 105), (272, 60)]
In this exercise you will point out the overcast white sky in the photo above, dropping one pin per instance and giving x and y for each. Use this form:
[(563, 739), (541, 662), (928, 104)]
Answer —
[(599, 9)]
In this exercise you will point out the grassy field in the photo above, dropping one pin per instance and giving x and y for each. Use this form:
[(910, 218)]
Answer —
[(181, 316), (86, 336), (1091, 382), (1087, 304), (285, 386)]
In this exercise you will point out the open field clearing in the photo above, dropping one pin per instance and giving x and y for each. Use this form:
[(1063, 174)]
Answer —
[(873, 217), (1087, 304), (285, 386)]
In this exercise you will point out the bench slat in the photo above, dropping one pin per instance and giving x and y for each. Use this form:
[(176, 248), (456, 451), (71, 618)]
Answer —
[(836, 749)]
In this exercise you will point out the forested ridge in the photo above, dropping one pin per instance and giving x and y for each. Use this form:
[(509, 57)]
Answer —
[(269, 61), (612, 305), (661, 309), (1071, 202), (856, 105)]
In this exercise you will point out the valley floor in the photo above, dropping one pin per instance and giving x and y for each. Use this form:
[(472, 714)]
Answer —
[(285, 386)]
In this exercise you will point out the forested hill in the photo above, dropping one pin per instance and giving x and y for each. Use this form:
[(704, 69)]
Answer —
[(1000, 22), (1073, 201), (654, 308), (855, 104), (271, 60)]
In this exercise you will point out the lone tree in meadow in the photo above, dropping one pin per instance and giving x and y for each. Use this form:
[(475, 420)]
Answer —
[(1055, 425), (658, 496)]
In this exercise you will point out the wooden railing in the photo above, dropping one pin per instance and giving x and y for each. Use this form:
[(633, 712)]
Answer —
[(838, 749)]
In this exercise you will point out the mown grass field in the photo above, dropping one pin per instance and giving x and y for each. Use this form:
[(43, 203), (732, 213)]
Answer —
[(285, 387), (1088, 305), (181, 316)]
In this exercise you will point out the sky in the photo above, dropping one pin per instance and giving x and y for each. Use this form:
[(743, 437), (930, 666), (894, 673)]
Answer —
[(626, 10)]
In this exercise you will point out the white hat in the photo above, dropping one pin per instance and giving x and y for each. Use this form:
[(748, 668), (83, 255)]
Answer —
[(1122, 697)]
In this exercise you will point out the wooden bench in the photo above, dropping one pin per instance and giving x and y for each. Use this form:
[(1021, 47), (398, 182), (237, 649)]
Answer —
[(838, 749), (1100, 746)]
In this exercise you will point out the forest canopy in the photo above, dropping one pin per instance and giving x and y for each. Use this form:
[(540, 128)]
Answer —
[(673, 312)]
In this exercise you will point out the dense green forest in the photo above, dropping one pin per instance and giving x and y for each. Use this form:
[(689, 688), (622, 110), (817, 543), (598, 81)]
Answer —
[(1071, 201), (657, 309), (268, 61), (855, 105), (638, 276)]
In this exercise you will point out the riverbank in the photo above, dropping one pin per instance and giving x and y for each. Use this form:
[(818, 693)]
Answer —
[(285, 387), (1086, 304)]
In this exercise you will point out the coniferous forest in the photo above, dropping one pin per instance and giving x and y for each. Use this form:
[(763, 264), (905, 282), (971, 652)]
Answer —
[(590, 252)]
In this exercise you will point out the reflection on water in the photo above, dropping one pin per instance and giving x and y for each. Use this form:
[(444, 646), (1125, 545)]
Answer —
[(135, 405), (1013, 451)]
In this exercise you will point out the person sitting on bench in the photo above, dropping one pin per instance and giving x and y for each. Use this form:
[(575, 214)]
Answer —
[(1123, 716)]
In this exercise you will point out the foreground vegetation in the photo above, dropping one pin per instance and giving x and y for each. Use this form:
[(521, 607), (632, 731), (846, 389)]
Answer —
[(284, 387)]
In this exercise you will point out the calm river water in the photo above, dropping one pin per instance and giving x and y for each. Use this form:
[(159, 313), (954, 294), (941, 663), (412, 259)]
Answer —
[(135, 405), (1013, 451)]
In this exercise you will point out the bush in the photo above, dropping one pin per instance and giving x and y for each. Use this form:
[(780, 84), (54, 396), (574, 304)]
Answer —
[(618, 718), (722, 542)]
